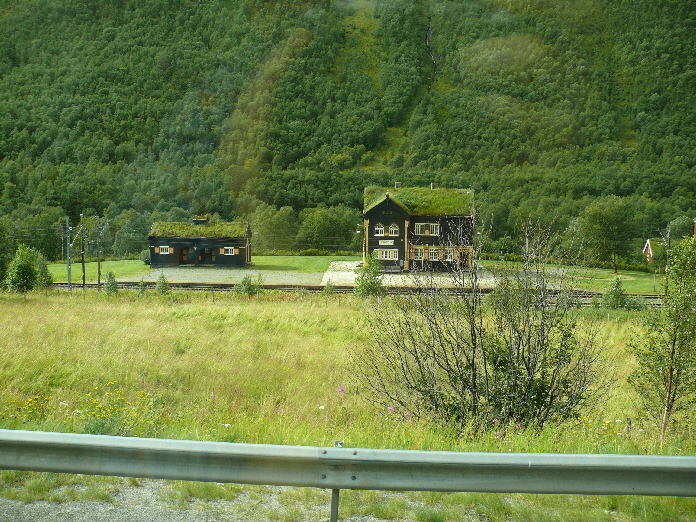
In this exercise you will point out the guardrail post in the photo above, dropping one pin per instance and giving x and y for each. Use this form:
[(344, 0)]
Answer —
[(334, 505), (335, 492)]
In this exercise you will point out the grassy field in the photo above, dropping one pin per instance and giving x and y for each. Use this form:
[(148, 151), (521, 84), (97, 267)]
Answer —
[(276, 371), (597, 279)]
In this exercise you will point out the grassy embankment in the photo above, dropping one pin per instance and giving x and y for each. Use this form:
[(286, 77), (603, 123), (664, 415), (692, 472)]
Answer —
[(276, 370)]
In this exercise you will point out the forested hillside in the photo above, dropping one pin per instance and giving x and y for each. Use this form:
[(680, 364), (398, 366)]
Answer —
[(282, 112)]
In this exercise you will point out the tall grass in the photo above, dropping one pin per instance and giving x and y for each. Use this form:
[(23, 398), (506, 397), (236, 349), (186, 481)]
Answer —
[(275, 370)]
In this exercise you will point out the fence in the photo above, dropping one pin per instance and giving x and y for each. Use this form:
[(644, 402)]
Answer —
[(348, 468)]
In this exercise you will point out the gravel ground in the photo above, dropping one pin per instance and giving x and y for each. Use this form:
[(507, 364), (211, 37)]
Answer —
[(144, 503)]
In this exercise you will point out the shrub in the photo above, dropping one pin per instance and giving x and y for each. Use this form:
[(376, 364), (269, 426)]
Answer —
[(162, 286), (110, 284), (519, 356), (616, 298), (369, 280), (329, 288), (247, 286), (28, 270)]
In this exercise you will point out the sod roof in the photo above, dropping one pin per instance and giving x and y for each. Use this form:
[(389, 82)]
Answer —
[(178, 229), (420, 201)]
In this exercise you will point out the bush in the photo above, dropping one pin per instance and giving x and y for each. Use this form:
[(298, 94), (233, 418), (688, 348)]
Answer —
[(27, 270), (369, 280), (616, 298), (110, 284), (518, 356), (145, 256), (247, 286), (162, 286), (329, 288)]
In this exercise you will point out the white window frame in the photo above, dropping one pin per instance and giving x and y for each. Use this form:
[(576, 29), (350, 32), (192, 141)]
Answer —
[(229, 251), (431, 251), (418, 253), (379, 229), (387, 254), (164, 250), (393, 229), (448, 254), (426, 229)]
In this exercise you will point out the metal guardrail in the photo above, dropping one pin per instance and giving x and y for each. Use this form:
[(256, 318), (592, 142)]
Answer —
[(348, 468)]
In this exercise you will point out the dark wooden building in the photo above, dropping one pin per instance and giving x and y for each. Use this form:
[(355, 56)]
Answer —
[(200, 244), (419, 228)]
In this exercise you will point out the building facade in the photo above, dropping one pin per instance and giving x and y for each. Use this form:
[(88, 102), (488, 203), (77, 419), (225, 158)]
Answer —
[(200, 244), (419, 228)]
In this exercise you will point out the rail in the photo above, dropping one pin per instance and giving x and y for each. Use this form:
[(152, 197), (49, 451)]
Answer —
[(584, 298), (339, 468)]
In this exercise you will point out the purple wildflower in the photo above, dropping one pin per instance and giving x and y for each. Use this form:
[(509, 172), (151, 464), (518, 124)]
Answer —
[(341, 390)]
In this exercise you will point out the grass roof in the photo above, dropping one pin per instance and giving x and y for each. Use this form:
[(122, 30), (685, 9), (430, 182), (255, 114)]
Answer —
[(420, 201), (178, 229)]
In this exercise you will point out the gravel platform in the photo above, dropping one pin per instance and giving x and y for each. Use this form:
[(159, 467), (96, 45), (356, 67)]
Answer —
[(340, 273)]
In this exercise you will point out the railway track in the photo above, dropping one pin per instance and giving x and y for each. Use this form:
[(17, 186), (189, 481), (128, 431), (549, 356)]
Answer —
[(585, 298)]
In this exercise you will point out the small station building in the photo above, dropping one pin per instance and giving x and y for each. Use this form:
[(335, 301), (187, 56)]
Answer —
[(200, 244)]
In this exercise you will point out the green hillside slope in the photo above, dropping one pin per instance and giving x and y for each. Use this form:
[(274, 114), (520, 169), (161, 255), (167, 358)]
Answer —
[(140, 110)]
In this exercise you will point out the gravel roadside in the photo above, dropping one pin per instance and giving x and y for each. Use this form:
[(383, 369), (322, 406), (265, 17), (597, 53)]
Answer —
[(146, 502)]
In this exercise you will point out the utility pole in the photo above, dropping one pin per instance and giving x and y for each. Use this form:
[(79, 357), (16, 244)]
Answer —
[(98, 258), (82, 248), (67, 219)]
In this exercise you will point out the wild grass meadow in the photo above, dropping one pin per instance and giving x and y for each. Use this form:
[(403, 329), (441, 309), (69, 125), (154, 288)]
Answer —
[(278, 370)]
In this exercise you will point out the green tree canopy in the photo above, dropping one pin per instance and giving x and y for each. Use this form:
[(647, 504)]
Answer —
[(27, 270), (606, 227)]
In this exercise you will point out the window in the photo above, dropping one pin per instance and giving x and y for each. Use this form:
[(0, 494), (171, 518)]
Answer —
[(393, 229), (387, 255), (426, 229), (434, 253), (164, 250), (449, 254), (229, 251), (379, 229), (418, 253)]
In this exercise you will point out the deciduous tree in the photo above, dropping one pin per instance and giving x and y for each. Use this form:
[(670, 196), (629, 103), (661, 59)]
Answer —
[(666, 347), (607, 228)]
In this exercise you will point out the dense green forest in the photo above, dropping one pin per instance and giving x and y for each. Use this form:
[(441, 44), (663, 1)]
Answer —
[(282, 112)]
